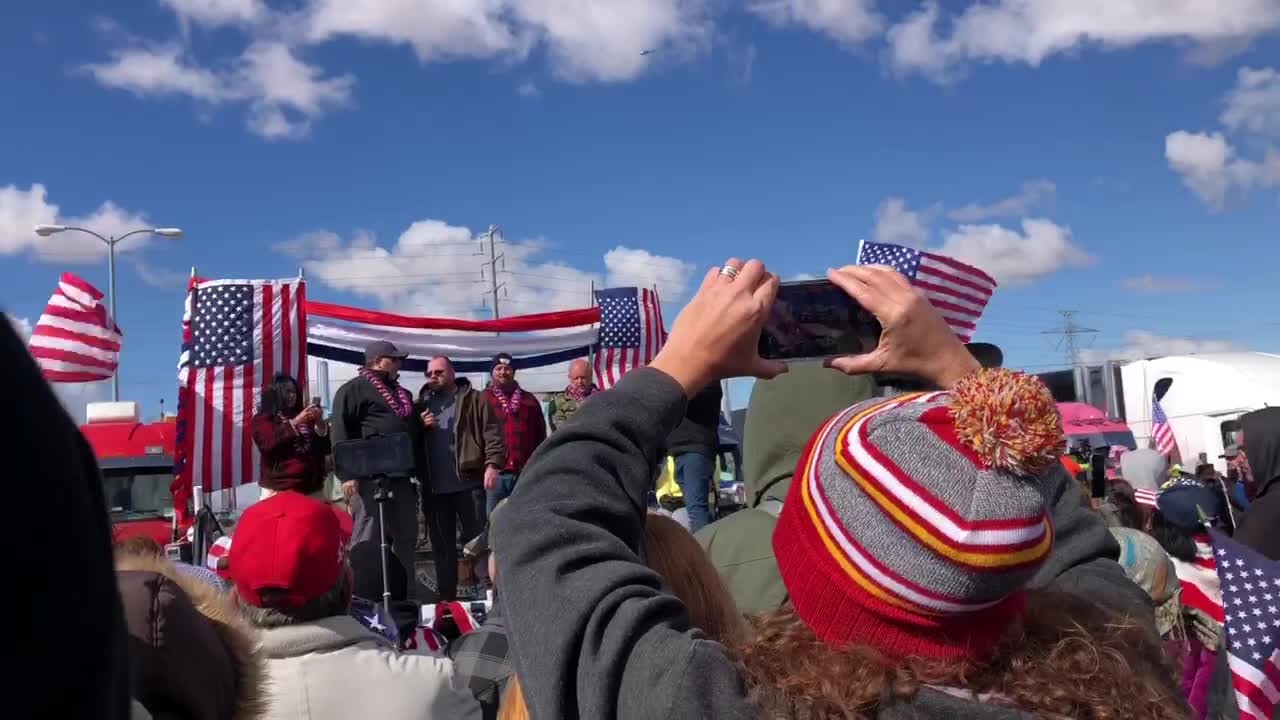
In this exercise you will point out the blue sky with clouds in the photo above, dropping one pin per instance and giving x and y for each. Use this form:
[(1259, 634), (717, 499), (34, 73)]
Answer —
[(1123, 163)]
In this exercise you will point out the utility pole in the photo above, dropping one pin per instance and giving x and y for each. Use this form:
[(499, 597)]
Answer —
[(1067, 336), (494, 237)]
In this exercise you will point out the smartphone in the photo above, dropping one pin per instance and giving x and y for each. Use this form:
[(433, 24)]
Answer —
[(814, 319)]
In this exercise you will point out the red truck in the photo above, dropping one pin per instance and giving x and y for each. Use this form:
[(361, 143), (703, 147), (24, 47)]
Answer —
[(136, 460)]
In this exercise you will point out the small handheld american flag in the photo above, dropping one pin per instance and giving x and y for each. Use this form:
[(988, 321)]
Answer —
[(1161, 432), (1251, 600), (631, 332), (75, 340), (958, 291)]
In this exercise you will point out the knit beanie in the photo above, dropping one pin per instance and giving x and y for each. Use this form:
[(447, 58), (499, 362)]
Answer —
[(913, 523)]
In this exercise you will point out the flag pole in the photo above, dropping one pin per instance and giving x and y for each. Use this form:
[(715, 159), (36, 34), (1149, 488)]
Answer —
[(591, 349)]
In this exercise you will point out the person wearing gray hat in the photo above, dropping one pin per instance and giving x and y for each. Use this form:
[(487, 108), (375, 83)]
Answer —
[(374, 403)]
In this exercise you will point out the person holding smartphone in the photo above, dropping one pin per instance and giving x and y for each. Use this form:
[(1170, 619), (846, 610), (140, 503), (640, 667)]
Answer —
[(292, 439)]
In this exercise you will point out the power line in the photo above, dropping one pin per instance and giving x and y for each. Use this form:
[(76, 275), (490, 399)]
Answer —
[(1067, 336)]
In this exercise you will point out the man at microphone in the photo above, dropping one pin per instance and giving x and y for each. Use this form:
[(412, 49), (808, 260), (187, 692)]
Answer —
[(292, 440)]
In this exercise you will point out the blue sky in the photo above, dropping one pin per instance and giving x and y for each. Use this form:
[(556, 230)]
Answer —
[(1121, 164)]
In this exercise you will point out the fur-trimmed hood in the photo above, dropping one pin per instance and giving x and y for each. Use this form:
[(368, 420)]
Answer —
[(192, 655)]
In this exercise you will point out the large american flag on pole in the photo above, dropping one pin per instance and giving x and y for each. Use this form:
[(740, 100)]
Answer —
[(237, 334), (1161, 432), (1251, 599), (958, 291), (75, 340), (631, 332)]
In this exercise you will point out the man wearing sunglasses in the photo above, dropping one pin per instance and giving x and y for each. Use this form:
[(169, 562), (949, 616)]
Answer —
[(463, 451)]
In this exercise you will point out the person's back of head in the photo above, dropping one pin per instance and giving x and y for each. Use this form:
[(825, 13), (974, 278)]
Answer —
[(911, 530), (193, 656), (1261, 443), (287, 563), (781, 415), (671, 551)]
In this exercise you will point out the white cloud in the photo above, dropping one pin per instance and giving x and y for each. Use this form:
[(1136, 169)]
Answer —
[(1159, 283), (628, 266), (159, 71), (848, 22), (1029, 31), (160, 277), (22, 326), (1014, 258), (435, 268), (21, 210), (214, 13), (1033, 195), (283, 93), (1140, 344), (586, 41), (528, 88), (1211, 168), (896, 223), (1253, 105)]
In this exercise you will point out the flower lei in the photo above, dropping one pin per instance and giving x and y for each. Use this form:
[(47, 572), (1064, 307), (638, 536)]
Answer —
[(579, 394), (401, 404), (510, 403)]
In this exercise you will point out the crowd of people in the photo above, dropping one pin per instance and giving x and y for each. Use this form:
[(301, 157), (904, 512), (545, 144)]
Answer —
[(912, 549)]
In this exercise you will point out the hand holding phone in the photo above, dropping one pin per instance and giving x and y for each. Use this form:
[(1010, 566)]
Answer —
[(816, 319)]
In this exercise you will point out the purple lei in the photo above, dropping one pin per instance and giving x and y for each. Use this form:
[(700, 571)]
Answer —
[(400, 403), (510, 403)]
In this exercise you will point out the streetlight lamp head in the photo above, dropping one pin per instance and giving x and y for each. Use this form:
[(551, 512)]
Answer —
[(168, 232), (47, 230)]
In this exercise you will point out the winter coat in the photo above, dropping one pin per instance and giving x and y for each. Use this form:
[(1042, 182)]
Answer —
[(781, 416), (192, 655), (336, 669), (1262, 446), (286, 463), (478, 438)]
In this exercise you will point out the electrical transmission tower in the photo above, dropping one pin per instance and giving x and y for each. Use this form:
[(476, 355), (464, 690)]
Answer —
[(1067, 335), (494, 238)]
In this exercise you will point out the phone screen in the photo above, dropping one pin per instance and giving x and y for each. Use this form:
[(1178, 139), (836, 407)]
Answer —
[(812, 319)]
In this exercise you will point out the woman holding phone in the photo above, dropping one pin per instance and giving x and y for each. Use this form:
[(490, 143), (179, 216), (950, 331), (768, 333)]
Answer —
[(293, 440)]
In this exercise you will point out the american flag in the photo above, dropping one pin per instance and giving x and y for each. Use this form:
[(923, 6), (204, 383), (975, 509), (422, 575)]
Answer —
[(75, 340), (1251, 596), (1161, 432), (959, 292), (1143, 496), (237, 334), (631, 332)]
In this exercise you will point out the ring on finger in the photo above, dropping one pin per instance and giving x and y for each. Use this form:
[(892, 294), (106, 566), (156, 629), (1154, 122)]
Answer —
[(730, 271)]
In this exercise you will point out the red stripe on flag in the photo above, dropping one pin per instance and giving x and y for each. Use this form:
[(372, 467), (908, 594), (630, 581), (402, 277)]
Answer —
[(961, 267), (64, 376), (69, 356), (300, 329), (51, 331), (229, 421), (286, 339)]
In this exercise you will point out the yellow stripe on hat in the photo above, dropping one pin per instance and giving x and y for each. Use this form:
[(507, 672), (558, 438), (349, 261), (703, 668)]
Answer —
[(832, 547), (923, 533)]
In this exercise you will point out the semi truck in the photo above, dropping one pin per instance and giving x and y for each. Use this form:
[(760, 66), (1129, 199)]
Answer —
[(1203, 396), (136, 460)]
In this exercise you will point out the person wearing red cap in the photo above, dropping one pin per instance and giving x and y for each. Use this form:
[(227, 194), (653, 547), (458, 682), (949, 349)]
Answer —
[(911, 532), (291, 580)]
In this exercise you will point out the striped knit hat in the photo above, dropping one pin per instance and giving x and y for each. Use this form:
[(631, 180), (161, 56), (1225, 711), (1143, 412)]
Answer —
[(913, 523)]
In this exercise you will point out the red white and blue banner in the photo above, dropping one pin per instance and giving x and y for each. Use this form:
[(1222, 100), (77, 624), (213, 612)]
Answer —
[(340, 333)]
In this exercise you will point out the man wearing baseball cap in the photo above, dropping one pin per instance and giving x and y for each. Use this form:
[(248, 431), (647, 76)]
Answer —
[(291, 580), (374, 403)]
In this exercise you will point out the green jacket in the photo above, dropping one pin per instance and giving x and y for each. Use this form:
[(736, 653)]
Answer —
[(782, 414), (560, 408)]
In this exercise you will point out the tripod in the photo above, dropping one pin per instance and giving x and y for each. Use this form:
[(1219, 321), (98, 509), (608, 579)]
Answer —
[(381, 494)]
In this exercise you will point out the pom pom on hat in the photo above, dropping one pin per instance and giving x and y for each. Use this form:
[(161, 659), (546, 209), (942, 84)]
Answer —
[(1009, 419)]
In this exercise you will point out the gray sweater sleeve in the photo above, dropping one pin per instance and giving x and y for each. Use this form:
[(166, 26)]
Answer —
[(593, 631), (1083, 559)]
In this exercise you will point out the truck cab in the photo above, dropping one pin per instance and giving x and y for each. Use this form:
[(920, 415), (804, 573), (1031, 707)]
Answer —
[(136, 460)]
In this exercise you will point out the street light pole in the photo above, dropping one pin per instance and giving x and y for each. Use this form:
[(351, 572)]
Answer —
[(110, 242)]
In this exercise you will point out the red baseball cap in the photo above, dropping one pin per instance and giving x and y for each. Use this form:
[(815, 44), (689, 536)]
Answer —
[(288, 542)]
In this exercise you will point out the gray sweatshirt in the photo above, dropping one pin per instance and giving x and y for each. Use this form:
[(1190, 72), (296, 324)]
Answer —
[(593, 632)]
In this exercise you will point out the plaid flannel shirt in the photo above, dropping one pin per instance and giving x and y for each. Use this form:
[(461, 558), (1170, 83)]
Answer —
[(480, 659), (524, 431)]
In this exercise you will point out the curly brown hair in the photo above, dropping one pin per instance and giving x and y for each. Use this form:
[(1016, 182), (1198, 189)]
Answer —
[(1066, 658)]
